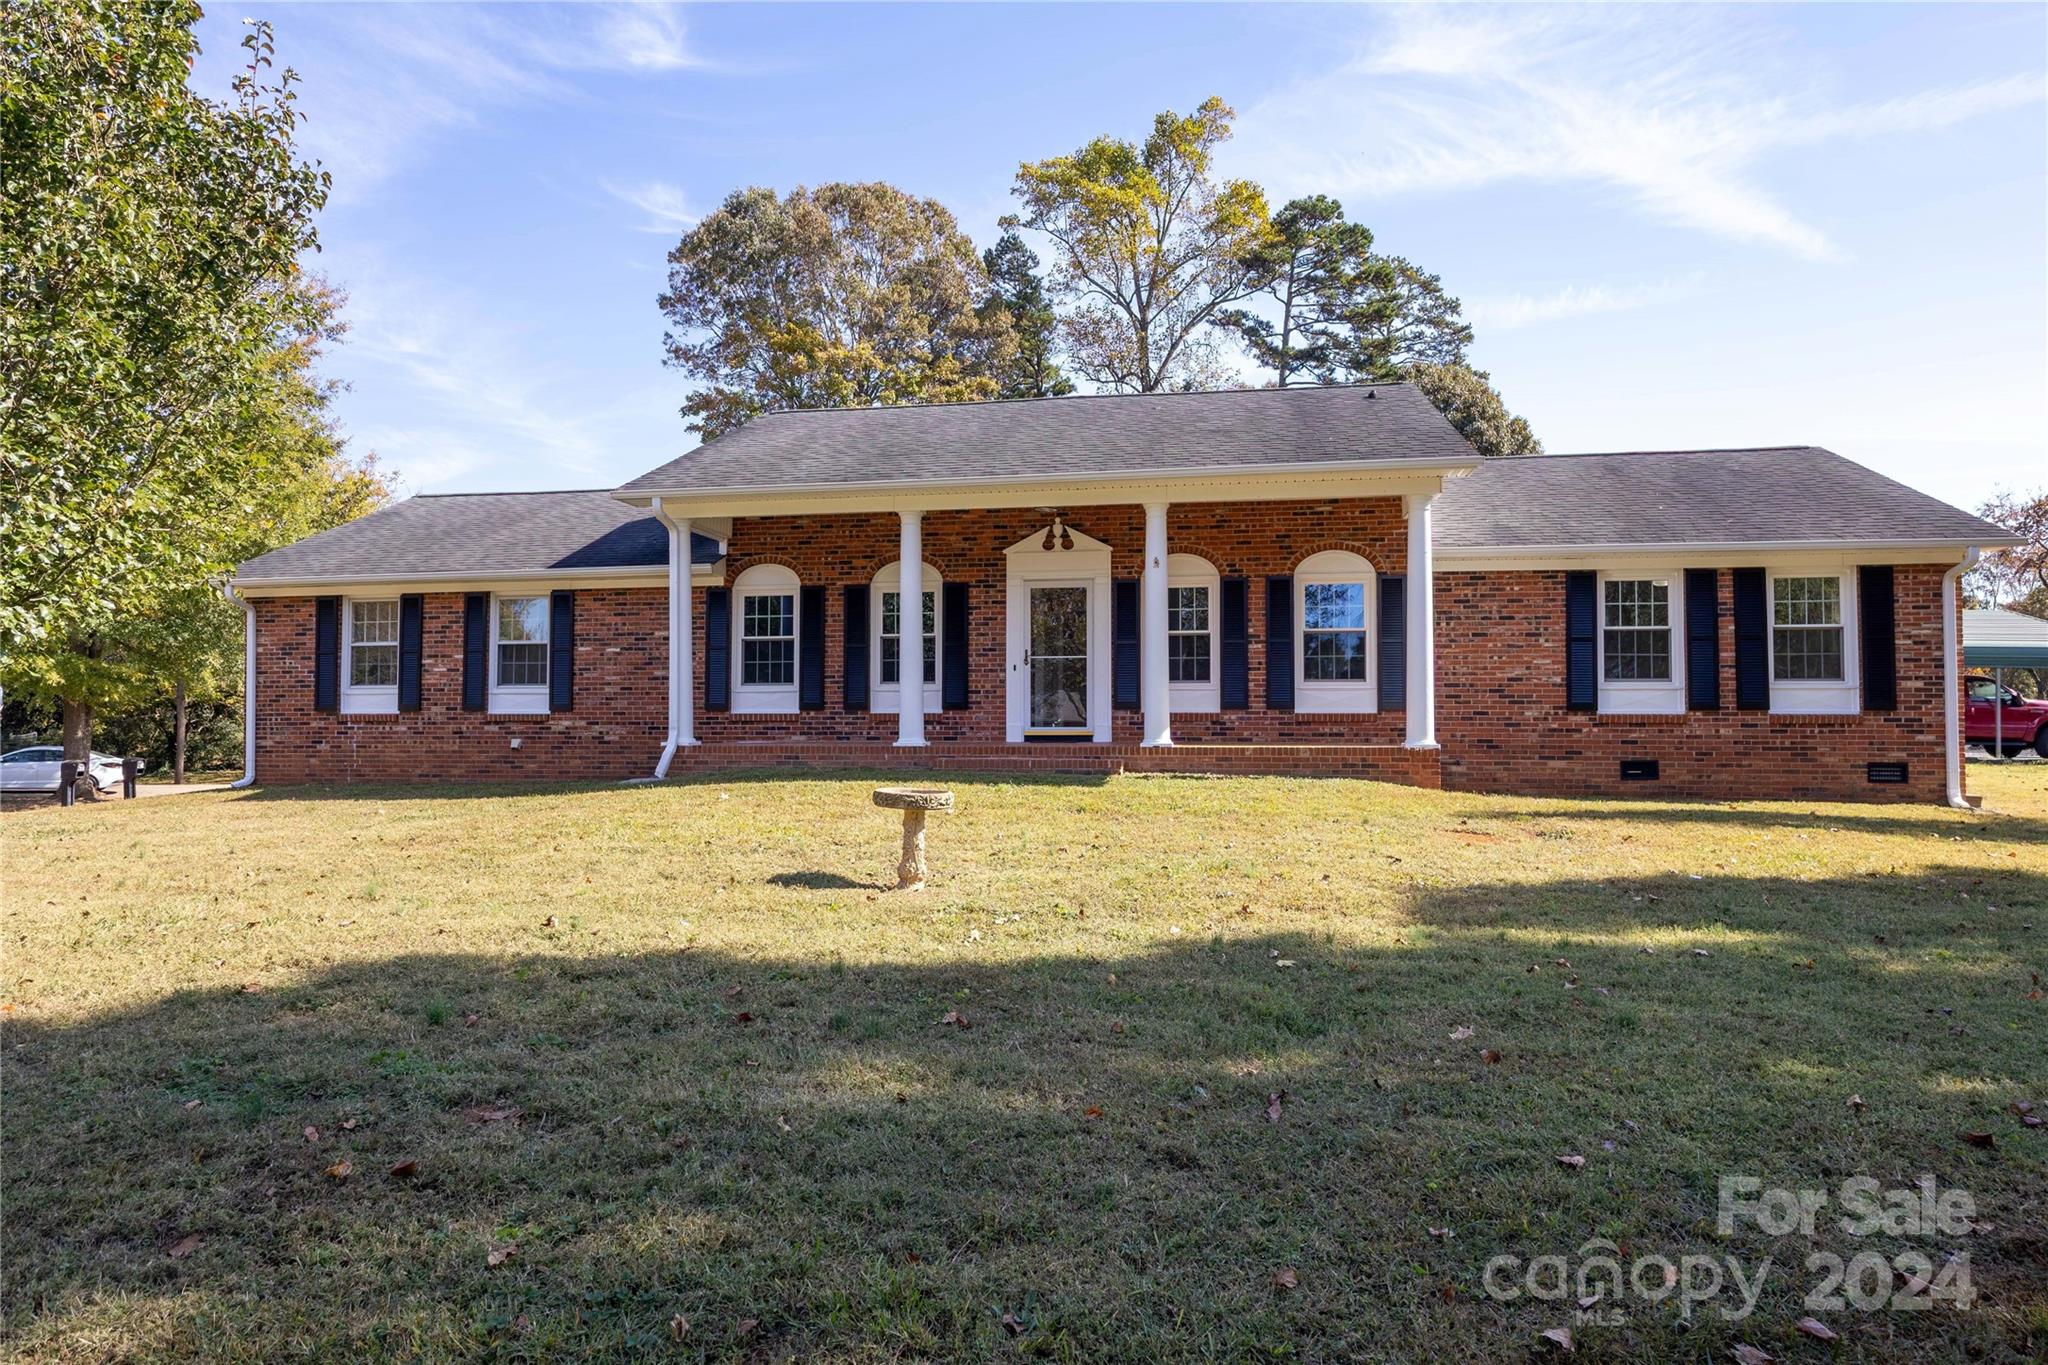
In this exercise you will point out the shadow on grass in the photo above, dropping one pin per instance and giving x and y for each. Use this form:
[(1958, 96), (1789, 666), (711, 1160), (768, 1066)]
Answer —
[(824, 881), (469, 791), (1119, 1148)]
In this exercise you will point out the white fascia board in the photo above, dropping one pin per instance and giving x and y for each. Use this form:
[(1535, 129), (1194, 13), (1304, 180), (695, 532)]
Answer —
[(359, 585), (1701, 555), (1253, 483)]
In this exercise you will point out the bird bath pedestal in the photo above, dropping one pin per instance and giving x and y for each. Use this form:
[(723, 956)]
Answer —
[(913, 802)]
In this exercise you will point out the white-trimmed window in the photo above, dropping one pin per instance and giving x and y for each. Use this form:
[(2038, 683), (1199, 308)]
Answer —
[(1193, 652), (519, 654), (764, 651), (1335, 606), (904, 641), (369, 665), (1641, 637), (1813, 644)]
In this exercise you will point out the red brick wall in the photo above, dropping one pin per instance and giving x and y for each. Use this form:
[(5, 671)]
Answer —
[(1503, 725), (616, 729)]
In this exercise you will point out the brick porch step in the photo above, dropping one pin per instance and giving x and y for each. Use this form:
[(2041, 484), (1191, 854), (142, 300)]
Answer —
[(1381, 762)]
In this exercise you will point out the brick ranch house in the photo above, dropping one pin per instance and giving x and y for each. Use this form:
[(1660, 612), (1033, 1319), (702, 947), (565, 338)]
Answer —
[(1314, 581)]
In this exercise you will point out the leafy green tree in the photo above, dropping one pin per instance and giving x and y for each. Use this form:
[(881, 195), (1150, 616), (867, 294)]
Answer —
[(182, 639), (1331, 292), (1148, 248), (1412, 322), (1472, 405), (150, 239), (839, 296), (1016, 290)]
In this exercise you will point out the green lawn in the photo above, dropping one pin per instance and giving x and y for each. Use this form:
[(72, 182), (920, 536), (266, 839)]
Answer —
[(676, 1049)]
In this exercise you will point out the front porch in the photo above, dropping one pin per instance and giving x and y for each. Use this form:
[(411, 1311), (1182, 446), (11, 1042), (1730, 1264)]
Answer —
[(1397, 763)]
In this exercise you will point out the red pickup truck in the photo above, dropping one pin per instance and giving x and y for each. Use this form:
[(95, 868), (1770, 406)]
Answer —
[(2024, 724)]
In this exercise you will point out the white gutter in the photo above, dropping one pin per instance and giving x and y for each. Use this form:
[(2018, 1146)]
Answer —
[(248, 778), (678, 555), (1951, 683)]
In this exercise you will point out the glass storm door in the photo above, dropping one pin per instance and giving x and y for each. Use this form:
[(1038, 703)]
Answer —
[(1058, 661)]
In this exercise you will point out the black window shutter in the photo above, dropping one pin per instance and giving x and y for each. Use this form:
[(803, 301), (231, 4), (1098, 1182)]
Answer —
[(1236, 671), (409, 632), (1876, 602), (476, 645), (718, 649), (1752, 641), (561, 650), (1581, 640), (854, 650), (1280, 642), (327, 654), (1124, 660), (1393, 655), (1703, 639), (953, 630), (810, 648)]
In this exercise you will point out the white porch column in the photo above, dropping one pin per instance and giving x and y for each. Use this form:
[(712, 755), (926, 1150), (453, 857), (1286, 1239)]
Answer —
[(910, 586), (1421, 604), (1155, 693), (682, 644)]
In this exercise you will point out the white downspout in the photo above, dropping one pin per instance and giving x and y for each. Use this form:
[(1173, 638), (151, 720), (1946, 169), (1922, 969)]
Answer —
[(1951, 682), (248, 778), (680, 669)]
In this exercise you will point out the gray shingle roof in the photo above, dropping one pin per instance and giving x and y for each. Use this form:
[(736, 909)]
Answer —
[(449, 535), (1699, 497), (1051, 438)]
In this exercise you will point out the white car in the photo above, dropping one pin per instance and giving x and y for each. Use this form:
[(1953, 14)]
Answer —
[(37, 769)]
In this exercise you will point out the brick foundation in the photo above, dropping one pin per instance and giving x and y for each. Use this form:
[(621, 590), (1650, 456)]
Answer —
[(1500, 711)]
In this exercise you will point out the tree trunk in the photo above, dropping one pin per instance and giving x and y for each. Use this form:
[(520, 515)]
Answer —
[(77, 731), (178, 733)]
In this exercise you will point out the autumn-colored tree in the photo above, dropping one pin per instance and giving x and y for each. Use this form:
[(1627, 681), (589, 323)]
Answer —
[(1329, 289), (839, 296), (1468, 400), (150, 240), (1148, 247), (2016, 576), (1015, 289)]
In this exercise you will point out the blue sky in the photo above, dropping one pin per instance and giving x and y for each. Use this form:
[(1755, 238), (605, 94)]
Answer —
[(1672, 227)]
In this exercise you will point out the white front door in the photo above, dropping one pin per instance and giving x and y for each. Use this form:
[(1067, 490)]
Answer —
[(1057, 675)]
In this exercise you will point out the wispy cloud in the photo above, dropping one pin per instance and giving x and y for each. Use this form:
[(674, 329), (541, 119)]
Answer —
[(664, 204), (1674, 108), (1576, 301), (397, 78)]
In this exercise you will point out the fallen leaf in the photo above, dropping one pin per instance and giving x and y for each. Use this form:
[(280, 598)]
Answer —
[(1285, 1279), (312, 1133), (1571, 1159), (1093, 1111), (1746, 1354), (1980, 1139), (499, 1255), (679, 1327), (1854, 1101), (192, 1104), (1283, 962), (1441, 1234), (1699, 952), (1489, 1056), (406, 1169), (2031, 1120), (955, 1019), (496, 1113), (743, 1017), (469, 1020), (348, 1124), (1013, 1324), (1461, 1033), (1562, 963), (746, 1326), (1273, 1106), (341, 1170), (1816, 1329), (184, 1246), (548, 923), (1560, 1337)]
